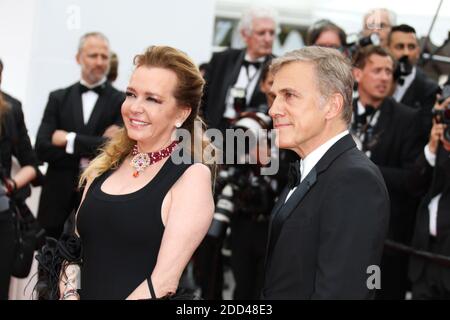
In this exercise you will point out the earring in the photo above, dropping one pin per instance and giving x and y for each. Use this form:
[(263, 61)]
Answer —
[(177, 124)]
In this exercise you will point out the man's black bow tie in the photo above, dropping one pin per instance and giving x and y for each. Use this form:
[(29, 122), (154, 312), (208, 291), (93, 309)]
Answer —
[(369, 110), (98, 89), (256, 64), (295, 176)]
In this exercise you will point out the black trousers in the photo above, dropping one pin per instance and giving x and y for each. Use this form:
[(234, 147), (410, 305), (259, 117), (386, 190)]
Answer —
[(431, 284), (7, 251), (394, 276), (248, 245)]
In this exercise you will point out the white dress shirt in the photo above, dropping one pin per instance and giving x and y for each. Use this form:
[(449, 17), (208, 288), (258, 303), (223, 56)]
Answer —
[(245, 80), (307, 164), (434, 203), (88, 101), (400, 90)]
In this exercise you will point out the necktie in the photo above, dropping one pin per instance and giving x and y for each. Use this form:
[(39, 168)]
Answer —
[(98, 89), (294, 174)]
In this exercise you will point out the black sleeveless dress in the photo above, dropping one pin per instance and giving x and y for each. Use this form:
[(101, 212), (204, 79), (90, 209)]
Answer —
[(121, 234)]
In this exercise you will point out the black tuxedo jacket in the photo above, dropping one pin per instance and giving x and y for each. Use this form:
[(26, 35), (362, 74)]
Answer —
[(432, 181), (400, 141), (64, 111), (14, 140), (223, 72), (421, 95), (331, 229)]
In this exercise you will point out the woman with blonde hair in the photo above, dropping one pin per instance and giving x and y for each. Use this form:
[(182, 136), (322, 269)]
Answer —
[(142, 215)]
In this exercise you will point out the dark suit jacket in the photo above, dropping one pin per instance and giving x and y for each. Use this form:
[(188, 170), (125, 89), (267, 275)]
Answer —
[(64, 111), (421, 96), (223, 72), (399, 144), (330, 231), (432, 181), (14, 140)]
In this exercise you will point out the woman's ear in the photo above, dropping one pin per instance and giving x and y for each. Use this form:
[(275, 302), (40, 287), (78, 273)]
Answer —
[(184, 114)]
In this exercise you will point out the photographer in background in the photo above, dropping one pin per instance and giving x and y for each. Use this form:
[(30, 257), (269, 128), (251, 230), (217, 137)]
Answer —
[(14, 141), (324, 33), (431, 280), (233, 76), (379, 21), (389, 133), (412, 86), (245, 200)]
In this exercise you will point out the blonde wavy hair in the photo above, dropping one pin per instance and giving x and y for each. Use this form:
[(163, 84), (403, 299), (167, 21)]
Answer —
[(188, 92), (4, 107)]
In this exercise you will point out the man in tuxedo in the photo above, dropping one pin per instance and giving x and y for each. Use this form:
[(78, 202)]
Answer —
[(77, 121), (328, 226), (233, 75), (390, 134), (413, 88), (380, 22), (430, 279)]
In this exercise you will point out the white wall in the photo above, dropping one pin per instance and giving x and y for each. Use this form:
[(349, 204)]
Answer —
[(39, 39)]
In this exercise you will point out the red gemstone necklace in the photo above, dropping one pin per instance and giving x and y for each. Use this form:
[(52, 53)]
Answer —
[(142, 160)]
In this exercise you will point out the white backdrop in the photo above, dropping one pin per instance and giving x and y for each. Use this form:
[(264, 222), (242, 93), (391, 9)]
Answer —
[(39, 38)]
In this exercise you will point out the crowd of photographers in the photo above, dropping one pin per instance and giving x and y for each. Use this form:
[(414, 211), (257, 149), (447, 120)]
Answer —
[(397, 121)]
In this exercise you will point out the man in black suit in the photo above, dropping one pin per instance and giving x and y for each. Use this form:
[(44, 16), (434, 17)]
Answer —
[(233, 75), (430, 279), (77, 121), (413, 87), (328, 227), (390, 134)]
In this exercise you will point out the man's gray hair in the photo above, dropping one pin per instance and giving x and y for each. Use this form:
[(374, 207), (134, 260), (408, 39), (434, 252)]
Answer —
[(246, 22), (391, 14), (333, 73), (91, 34)]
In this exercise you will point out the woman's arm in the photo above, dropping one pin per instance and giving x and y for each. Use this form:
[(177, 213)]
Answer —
[(190, 215), (24, 176)]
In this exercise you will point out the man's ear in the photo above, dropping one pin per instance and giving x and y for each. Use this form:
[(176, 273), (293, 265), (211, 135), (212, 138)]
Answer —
[(78, 58), (357, 74), (335, 106), (244, 35)]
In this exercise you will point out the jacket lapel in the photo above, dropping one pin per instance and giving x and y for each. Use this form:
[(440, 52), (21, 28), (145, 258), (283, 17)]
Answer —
[(282, 210), (77, 108), (98, 111)]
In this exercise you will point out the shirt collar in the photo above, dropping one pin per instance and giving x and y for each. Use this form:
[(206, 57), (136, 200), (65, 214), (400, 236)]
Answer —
[(90, 86), (311, 159), (247, 58), (409, 78)]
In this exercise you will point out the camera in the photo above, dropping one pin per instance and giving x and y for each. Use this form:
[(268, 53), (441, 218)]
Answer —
[(243, 191), (354, 43), (239, 98), (443, 115), (403, 69), (240, 187), (445, 93)]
